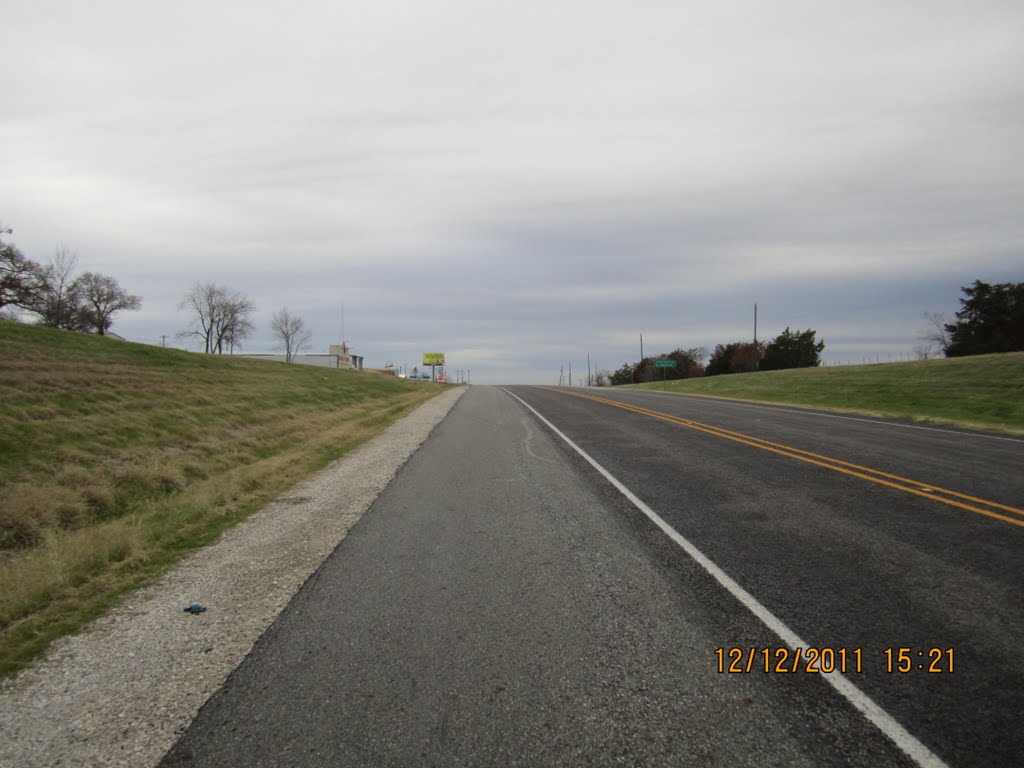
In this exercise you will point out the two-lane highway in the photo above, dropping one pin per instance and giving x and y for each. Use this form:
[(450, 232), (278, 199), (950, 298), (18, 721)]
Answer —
[(508, 600)]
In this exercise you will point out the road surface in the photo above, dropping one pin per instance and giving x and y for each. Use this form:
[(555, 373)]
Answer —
[(557, 576)]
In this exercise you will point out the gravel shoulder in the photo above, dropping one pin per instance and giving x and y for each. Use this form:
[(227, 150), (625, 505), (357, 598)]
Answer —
[(120, 692)]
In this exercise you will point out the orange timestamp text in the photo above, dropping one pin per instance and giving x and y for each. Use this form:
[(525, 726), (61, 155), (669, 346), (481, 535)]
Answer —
[(789, 659), (828, 660)]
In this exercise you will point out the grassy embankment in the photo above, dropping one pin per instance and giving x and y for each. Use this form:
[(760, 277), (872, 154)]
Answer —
[(117, 459), (982, 392)]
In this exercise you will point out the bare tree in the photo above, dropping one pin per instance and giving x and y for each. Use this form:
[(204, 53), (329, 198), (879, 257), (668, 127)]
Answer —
[(237, 324), (101, 297), (203, 301), (220, 316), (934, 339), (58, 303), (924, 351), (291, 331)]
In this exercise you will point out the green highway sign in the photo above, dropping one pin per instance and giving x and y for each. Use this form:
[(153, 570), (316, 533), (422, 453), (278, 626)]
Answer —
[(665, 363)]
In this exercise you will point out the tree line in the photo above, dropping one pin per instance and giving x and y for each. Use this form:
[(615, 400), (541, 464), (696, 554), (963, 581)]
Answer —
[(790, 349), (990, 320), (221, 318), (56, 294)]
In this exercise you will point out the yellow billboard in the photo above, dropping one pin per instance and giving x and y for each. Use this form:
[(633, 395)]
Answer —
[(433, 358)]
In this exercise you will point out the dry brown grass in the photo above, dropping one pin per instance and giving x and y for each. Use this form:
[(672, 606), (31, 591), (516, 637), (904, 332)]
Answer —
[(115, 459)]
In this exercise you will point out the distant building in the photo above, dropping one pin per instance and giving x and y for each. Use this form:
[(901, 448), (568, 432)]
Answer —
[(345, 358), (338, 357)]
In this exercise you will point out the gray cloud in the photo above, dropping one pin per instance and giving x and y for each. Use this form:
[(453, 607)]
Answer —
[(520, 186)]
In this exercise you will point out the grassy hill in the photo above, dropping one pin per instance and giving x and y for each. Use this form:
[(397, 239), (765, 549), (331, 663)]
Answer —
[(980, 392), (116, 459)]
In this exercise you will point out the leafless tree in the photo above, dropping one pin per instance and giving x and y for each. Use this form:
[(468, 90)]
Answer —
[(934, 339), (101, 297), (203, 301), (220, 316), (58, 303), (291, 331), (237, 324)]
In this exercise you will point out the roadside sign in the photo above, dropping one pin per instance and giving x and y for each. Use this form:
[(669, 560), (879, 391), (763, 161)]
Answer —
[(665, 363)]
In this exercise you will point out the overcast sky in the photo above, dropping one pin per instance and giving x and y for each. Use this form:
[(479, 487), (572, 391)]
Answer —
[(519, 184)]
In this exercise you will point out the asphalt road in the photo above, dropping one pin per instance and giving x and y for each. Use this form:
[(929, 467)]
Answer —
[(504, 603)]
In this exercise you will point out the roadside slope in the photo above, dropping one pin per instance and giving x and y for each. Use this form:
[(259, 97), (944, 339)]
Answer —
[(119, 693), (116, 459), (979, 392)]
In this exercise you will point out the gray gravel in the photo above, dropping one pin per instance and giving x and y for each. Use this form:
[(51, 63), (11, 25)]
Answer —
[(122, 691)]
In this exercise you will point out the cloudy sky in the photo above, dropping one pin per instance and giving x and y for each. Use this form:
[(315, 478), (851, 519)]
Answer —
[(519, 184)]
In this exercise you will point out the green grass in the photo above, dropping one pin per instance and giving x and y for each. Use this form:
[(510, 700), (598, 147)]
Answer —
[(980, 392), (117, 459)]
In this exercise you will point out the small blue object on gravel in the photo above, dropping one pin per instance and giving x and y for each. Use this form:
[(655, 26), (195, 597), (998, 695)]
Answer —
[(195, 608)]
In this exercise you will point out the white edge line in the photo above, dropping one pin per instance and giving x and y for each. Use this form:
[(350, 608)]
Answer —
[(881, 719), (810, 412)]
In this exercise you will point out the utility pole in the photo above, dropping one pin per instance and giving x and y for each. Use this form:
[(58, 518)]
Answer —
[(561, 374), (757, 349), (570, 373), (344, 344), (641, 347), (163, 340), (588, 369)]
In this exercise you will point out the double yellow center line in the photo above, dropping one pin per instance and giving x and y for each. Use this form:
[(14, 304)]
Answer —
[(907, 485)]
